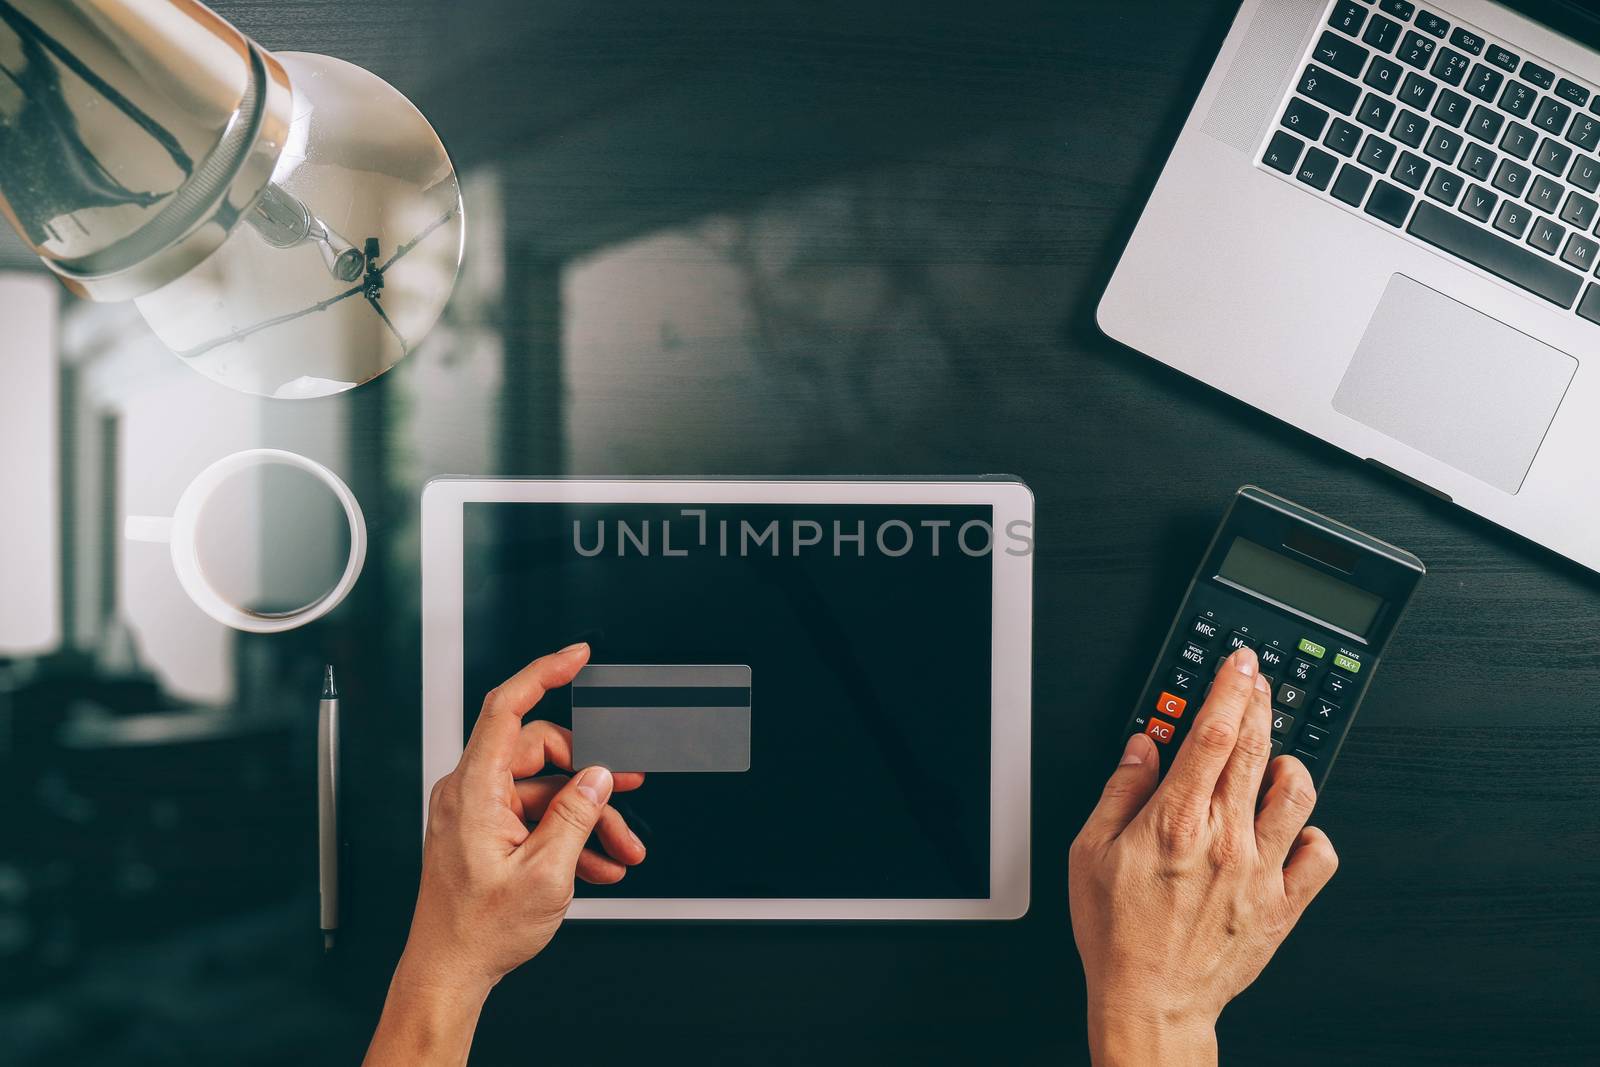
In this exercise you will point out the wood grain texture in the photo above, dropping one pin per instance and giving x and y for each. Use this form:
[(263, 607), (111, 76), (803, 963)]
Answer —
[(977, 166)]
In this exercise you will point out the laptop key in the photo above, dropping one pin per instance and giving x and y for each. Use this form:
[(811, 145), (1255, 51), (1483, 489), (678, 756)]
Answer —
[(1512, 178), (1451, 108), (1485, 124), (1519, 140), (1304, 118), (1579, 211), (1445, 186), (1450, 66), (1283, 152), (1328, 89), (1428, 22), (1545, 194), (1382, 75), (1411, 170), (1512, 218), (1572, 92), (1443, 145), (1483, 249), (1585, 174), (1316, 170), (1416, 50), (1340, 53), (1590, 307), (1503, 57), (1347, 16), (1351, 184), (1375, 112), (1585, 132), (1552, 115), (1467, 41), (1410, 128), (1479, 203), (1417, 91), (1400, 9), (1381, 34), (1538, 75), (1518, 99), (1343, 137), (1553, 156), (1478, 161), (1389, 203), (1377, 153), (1547, 235), (1580, 252), (1484, 82)]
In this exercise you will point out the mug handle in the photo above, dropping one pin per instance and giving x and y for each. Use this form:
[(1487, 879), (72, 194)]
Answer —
[(147, 528)]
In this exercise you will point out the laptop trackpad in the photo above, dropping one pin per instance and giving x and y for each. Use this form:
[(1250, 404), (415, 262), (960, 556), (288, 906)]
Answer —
[(1449, 381)]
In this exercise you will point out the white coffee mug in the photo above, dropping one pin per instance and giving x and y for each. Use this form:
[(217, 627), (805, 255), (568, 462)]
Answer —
[(179, 532)]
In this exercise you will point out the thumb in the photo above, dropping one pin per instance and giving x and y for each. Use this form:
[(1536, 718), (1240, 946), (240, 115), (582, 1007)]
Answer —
[(1126, 791), (571, 818)]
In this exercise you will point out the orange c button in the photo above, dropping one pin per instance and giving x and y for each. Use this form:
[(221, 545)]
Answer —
[(1167, 704)]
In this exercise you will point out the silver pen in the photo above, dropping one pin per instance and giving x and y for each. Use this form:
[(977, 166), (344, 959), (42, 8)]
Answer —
[(328, 806)]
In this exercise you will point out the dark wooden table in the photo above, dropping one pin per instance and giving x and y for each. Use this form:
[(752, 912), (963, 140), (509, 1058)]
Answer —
[(980, 164)]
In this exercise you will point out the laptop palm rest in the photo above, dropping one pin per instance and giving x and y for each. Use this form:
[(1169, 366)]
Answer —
[(1454, 383)]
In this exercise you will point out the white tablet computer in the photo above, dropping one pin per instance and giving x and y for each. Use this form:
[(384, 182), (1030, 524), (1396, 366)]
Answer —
[(830, 679)]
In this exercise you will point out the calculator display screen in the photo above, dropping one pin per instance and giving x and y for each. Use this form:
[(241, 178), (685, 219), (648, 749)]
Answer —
[(1296, 585)]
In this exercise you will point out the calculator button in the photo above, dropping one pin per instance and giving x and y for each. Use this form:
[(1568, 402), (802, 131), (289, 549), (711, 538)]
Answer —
[(1194, 655), (1237, 640), (1302, 670), (1310, 759), (1160, 731), (1311, 648), (1204, 630), (1277, 748), (1271, 658), (1171, 704), (1312, 739), (1183, 682), (1291, 698), (1282, 724), (1347, 663), (1335, 685), (1323, 712)]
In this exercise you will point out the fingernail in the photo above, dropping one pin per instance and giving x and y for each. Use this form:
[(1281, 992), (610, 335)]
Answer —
[(1262, 683), (1244, 661), (573, 647), (595, 783), (636, 840), (1133, 752)]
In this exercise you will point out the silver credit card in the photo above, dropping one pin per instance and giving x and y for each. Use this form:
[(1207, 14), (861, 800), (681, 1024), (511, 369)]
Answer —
[(662, 717)]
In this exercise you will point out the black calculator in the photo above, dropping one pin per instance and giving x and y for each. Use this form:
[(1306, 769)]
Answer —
[(1316, 600)]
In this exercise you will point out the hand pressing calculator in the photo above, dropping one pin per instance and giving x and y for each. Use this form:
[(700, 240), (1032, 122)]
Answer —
[(1315, 599)]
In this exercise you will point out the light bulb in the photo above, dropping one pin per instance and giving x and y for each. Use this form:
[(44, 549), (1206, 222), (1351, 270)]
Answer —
[(344, 262)]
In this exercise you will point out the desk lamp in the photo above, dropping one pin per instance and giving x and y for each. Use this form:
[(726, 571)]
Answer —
[(287, 223)]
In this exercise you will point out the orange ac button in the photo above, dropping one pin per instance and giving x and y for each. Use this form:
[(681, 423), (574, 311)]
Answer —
[(1167, 704), (1160, 730)]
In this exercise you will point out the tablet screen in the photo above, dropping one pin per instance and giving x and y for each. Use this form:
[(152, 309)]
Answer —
[(866, 631)]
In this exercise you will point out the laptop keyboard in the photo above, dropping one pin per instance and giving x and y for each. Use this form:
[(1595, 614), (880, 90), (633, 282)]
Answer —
[(1461, 141)]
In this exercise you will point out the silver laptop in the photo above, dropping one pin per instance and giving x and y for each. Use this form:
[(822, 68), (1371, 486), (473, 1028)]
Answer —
[(1379, 225)]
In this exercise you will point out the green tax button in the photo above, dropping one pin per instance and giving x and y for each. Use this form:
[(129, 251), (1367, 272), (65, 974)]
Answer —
[(1311, 648), (1345, 663)]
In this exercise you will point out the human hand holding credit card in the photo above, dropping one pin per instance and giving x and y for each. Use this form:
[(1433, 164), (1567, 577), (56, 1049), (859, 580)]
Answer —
[(662, 717)]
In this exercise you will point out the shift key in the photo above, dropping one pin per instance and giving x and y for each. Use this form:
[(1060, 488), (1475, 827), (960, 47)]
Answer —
[(1330, 90), (1501, 258)]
